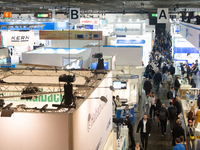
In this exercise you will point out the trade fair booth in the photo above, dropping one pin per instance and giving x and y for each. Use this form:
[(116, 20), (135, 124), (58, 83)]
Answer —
[(66, 128)]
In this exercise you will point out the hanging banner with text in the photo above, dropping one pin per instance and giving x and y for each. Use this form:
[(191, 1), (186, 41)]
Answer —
[(16, 38), (162, 15), (191, 33), (74, 35)]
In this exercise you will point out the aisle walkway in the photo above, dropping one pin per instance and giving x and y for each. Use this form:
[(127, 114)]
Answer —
[(156, 142)]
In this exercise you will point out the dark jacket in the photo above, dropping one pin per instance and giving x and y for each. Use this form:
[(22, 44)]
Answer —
[(198, 101), (170, 95), (177, 84), (166, 114), (171, 110), (141, 125), (147, 85), (192, 83), (178, 106), (149, 67), (172, 70), (157, 77), (177, 132), (164, 69)]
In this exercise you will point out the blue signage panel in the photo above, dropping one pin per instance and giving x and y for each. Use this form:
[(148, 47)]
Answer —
[(135, 77), (130, 41), (94, 65), (89, 27)]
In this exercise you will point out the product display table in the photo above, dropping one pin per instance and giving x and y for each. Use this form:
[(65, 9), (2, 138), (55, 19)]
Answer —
[(183, 90)]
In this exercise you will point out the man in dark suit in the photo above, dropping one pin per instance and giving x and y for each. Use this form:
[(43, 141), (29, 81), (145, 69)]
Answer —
[(177, 132), (164, 68), (147, 86), (145, 128), (191, 82)]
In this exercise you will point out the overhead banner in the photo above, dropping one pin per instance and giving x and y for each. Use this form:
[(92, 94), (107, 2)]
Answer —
[(191, 33), (162, 15), (74, 15), (17, 38), (74, 35), (128, 29)]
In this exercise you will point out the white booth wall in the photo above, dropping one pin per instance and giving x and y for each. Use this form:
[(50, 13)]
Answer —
[(86, 128), (31, 131), (124, 55), (53, 59), (147, 46), (92, 122)]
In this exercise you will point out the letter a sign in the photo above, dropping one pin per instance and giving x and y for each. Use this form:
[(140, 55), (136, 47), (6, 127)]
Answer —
[(74, 15), (162, 15)]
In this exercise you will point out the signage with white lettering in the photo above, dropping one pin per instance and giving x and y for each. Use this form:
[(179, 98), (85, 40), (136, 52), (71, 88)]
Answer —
[(128, 29), (16, 38), (74, 15), (162, 15)]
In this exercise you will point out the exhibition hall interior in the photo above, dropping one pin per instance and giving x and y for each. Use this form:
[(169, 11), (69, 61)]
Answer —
[(99, 75)]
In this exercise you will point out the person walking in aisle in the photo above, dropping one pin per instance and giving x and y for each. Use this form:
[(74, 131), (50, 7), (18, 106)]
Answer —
[(170, 94), (177, 104), (163, 116), (179, 146), (157, 79), (164, 68), (147, 104), (137, 147), (168, 81), (177, 85), (177, 132), (130, 131), (172, 115), (164, 79), (153, 104), (158, 107), (145, 129), (190, 135), (172, 70), (147, 86)]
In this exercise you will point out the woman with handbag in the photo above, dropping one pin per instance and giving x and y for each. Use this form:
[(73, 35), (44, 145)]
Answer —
[(190, 136)]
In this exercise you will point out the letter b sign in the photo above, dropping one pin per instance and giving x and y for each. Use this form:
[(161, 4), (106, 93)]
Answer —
[(74, 15)]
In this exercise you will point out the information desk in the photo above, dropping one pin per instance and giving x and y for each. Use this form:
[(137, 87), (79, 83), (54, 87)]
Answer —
[(131, 108)]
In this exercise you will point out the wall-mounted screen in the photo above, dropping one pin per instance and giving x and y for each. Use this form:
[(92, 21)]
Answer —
[(119, 85)]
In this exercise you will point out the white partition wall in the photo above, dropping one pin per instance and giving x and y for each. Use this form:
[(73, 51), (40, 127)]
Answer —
[(34, 131), (92, 122)]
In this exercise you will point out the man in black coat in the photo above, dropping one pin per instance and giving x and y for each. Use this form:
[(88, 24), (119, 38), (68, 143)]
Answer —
[(172, 70), (177, 85), (145, 129), (177, 104), (191, 82), (147, 86), (157, 79), (170, 94), (177, 132), (164, 68)]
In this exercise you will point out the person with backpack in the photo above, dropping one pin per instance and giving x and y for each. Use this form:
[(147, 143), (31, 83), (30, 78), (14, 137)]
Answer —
[(190, 135), (163, 116), (172, 115)]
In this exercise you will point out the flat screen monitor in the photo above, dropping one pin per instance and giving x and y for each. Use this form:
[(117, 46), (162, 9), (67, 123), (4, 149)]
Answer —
[(95, 36), (119, 85), (79, 36)]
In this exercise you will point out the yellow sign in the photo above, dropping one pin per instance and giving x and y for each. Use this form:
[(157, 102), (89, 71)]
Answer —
[(74, 35)]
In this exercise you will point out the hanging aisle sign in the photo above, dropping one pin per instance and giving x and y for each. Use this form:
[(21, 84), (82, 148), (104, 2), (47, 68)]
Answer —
[(74, 14), (162, 15)]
